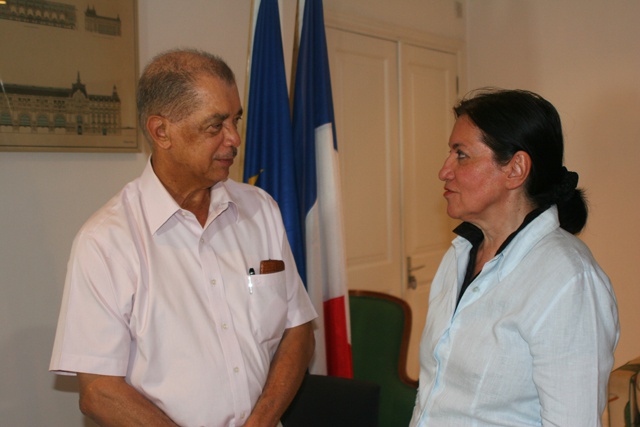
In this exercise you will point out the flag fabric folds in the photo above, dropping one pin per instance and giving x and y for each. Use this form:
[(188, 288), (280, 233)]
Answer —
[(269, 160), (319, 194), (297, 163)]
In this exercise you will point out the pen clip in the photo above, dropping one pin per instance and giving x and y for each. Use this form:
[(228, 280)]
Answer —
[(251, 273)]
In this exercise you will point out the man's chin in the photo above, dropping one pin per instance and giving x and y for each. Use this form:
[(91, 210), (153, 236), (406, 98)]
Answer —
[(221, 175)]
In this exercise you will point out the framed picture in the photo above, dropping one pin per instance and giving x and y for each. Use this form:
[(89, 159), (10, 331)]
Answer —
[(68, 75)]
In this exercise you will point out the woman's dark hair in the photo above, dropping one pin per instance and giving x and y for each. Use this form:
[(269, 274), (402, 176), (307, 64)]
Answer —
[(519, 120)]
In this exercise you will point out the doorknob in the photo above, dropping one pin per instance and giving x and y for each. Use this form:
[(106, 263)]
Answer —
[(412, 282)]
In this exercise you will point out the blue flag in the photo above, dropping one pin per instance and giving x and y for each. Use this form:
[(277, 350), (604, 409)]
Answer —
[(318, 178), (269, 161)]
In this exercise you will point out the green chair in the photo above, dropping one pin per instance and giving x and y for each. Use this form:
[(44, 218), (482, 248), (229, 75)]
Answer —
[(380, 331)]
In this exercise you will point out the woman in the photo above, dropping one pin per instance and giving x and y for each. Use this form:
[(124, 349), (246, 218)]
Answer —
[(522, 321)]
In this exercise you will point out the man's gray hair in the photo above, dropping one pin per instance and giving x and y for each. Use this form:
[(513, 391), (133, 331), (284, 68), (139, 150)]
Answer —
[(167, 85)]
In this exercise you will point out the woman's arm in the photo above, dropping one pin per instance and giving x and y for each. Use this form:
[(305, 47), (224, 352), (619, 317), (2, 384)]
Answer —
[(572, 348)]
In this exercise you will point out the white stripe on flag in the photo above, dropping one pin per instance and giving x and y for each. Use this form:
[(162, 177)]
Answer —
[(330, 204), (326, 258)]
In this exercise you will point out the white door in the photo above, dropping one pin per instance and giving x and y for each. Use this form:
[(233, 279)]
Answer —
[(393, 108), (364, 80), (428, 96)]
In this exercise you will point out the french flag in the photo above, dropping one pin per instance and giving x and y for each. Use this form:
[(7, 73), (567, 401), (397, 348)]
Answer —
[(319, 195)]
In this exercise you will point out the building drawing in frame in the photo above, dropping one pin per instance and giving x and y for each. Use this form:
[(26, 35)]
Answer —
[(101, 24), (60, 110), (40, 12), (70, 85)]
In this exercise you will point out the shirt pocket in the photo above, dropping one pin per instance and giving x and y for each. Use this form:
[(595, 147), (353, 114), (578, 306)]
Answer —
[(268, 305)]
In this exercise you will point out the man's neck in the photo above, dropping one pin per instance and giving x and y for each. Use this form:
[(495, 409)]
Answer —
[(188, 196)]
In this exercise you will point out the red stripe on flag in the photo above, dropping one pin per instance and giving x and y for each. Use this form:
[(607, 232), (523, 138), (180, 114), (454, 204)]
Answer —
[(337, 340)]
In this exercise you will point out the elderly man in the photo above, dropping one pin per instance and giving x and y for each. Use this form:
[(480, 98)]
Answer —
[(182, 303)]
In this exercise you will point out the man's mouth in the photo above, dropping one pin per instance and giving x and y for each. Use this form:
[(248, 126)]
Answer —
[(228, 157)]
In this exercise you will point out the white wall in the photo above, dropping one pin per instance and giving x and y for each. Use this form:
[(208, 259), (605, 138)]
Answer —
[(584, 57), (45, 197)]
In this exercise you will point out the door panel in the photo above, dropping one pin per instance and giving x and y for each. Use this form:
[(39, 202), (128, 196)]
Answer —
[(428, 96), (365, 88), (393, 107)]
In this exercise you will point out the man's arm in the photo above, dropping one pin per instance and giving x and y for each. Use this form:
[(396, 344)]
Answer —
[(110, 401), (286, 373)]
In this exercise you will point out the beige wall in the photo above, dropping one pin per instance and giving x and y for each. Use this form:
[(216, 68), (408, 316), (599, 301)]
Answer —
[(584, 57), (45, 197)]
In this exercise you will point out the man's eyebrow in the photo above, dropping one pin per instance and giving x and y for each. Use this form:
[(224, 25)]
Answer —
[(223, 116), (220, 116)]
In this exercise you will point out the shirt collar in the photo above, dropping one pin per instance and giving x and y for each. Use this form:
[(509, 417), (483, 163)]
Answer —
[(537, 224), (222, 200), (475, 236), (159, 206)]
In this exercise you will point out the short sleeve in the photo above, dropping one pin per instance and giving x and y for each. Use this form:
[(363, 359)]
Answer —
[(92, 334)]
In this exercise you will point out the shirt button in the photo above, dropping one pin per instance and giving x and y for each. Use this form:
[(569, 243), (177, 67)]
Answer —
[(236, 369), (244, 414), (201, 240), (213, 281), (224, 326), (476, 289)]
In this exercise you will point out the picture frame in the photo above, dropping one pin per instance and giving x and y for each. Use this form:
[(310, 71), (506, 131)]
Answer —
[(68, 75)]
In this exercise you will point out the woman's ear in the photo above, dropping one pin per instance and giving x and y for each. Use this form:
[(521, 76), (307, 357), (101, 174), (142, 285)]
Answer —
[(157, 126), (518, 169)]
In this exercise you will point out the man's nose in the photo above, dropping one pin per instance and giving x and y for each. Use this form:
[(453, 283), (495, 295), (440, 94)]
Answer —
[(232, 136)]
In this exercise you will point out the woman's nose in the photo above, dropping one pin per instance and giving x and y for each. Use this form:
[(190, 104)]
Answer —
[(446, 173)]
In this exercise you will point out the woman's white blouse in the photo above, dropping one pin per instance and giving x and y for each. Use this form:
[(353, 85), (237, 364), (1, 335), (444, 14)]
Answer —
[(531, 342)]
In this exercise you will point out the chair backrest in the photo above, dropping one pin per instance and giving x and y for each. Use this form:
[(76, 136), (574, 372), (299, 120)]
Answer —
[(380, 331), (324, 401), (624, 395)]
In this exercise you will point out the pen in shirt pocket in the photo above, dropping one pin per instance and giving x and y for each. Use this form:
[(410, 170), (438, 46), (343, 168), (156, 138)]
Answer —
[(251, 273)]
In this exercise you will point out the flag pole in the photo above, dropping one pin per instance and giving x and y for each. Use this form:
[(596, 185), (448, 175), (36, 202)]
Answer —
[(243, 131), (296, 50)]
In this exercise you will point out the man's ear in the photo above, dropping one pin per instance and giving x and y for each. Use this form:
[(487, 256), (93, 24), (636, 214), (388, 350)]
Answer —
[(157, 126), (518, 169)]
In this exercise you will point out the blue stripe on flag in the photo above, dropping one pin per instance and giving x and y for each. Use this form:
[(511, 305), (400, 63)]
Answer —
[(269, 156), (313, 103)]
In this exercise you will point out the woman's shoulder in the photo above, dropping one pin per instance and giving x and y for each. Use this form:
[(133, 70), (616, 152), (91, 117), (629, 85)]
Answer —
[(560, 258), (560, 246)]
